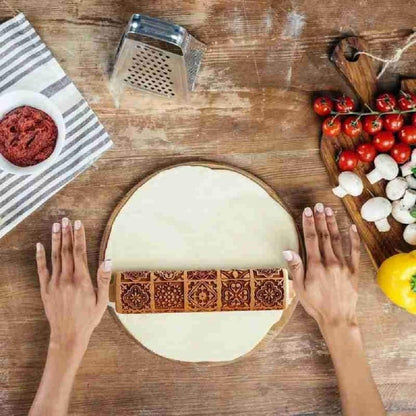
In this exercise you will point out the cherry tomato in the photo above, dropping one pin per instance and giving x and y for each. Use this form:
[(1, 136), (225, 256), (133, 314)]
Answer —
[(344, 104), (366, 152), (348, 160), (408, 135), (386, 102), (414, 119), (352, 126), (401, 152), (393, 122), (331, 126), (383, 141), (372, 124), (406, 101), (323, 106)]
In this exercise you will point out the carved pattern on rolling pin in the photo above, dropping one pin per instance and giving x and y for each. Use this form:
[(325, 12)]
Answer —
[(200, 290)]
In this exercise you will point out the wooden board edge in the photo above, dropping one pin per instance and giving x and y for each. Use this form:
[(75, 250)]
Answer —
[(287, 313)]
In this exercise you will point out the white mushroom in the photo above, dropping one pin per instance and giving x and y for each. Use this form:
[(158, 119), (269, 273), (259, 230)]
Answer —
[(377, 210), (349, 184), (411, 180), (385, 168), (396, 188), (409, 234), (407, 167), (402, 213)]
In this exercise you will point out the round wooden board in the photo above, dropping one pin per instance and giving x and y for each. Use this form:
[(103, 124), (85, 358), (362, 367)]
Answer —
[(287, 313)]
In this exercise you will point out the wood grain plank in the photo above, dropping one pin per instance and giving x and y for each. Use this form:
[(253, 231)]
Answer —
[(227, 121)]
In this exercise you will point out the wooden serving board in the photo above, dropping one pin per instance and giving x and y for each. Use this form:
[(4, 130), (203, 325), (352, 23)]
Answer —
[(287, 313), (361, 74)]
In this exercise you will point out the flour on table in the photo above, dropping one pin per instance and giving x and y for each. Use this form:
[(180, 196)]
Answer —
[(194, 217)]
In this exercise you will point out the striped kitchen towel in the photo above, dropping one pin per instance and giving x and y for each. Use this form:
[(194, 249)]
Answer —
[(27, 63)]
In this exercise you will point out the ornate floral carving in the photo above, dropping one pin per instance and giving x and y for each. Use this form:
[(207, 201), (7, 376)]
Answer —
[(172, 291), (169, 295), (135, 297), (169, 275), (235, 274), (235, 294), (202, 275), (136, 276), (202, 295), (269, 294), (268, 273)]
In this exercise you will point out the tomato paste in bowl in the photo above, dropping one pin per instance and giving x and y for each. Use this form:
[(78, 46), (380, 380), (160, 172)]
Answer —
[(27, 136), (32, 133)]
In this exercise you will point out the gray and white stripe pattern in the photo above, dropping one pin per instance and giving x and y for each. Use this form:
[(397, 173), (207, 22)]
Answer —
[(27, 63)]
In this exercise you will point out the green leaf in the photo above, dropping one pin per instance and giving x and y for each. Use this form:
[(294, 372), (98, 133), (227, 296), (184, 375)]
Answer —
[(413, 283), (413, 212), (414, 171)]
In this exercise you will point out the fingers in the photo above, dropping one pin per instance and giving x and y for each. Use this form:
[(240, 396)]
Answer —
[(43, 271), (324, 237), (296, 270), (103, 283), (56, 250), (310, 235), (336, 240), (67, 258), (355, 250), (80, 249)]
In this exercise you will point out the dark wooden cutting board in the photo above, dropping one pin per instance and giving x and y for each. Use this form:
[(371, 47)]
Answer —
[(361, 74)]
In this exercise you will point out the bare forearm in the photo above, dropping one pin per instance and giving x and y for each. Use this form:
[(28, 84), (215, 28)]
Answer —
[(52, 397), (359, 394)]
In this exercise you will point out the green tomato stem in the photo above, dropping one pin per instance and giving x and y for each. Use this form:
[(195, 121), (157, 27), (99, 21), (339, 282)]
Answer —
[(372, 113), (413, 283)]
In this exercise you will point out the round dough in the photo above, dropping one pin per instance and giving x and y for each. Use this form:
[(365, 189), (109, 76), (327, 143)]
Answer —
[(194, 217)]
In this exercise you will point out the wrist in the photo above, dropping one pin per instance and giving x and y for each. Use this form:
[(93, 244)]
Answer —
[(70, 348), (342, 337), (338, 325)]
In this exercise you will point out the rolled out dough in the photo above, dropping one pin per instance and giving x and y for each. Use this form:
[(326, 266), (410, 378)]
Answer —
[(194, 217)]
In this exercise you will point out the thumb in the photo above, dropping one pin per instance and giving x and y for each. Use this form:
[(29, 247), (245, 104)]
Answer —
[(103, 283), (296, 269)]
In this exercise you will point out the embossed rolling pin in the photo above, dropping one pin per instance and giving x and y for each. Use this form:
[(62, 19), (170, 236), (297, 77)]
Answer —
[(201, 290)]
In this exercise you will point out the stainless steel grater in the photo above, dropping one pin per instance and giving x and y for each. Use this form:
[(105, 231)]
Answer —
[(156, 57)]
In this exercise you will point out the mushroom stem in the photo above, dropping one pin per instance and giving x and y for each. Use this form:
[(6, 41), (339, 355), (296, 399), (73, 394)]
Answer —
[(382, 225), (374, 176), (409, 199), (339, 191), (411, 180)]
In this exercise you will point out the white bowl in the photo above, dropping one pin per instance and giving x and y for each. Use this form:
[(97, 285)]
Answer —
[(19, 98)]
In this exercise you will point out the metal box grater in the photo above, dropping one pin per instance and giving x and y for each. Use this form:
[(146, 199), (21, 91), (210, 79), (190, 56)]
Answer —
[(156, 57)]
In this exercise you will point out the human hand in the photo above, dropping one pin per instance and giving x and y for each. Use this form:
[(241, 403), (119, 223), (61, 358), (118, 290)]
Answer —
[(72, 305), (328, 289)]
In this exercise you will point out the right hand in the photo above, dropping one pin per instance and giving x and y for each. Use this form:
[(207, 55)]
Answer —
[(328, 288)]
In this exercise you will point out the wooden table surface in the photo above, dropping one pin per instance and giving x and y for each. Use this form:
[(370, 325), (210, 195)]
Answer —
[(251, 109)]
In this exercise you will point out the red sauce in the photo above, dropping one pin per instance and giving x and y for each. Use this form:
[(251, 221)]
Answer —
[(27, 136)]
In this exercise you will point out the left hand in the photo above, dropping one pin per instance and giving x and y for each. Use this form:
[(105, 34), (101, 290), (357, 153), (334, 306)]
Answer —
[(72, 305)]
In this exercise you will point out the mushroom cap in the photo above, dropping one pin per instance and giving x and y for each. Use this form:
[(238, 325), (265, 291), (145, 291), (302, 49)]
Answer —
[(396, 188), (387, 166), (351, 182), (375, 209), (409, 234), (401, 213)]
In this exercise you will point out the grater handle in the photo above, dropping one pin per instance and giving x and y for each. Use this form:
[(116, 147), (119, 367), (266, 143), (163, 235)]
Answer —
[(156, 28)]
